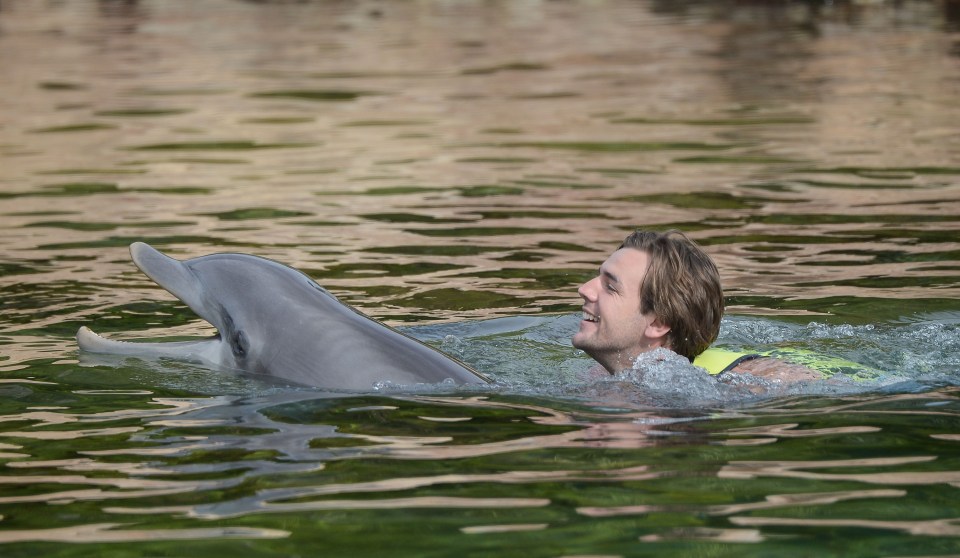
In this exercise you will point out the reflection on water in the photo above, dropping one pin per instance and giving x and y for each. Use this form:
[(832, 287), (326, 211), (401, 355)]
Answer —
[(459, 167), (498, 150), (269, 465)]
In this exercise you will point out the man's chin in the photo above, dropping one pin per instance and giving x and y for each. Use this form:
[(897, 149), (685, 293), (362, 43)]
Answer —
[(580, 341)]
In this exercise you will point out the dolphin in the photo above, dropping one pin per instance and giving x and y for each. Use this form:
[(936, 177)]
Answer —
[(274, 320)]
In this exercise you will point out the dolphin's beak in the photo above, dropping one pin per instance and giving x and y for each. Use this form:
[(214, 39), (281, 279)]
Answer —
[(173, 275)]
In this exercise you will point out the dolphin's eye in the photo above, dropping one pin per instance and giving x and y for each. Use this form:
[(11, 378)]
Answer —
[(239, 344)]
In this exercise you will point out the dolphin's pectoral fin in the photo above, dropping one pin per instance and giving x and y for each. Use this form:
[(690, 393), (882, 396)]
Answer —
[(201, 350)]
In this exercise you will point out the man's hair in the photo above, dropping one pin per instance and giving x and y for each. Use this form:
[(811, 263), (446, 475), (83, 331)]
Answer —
[(681, 288)]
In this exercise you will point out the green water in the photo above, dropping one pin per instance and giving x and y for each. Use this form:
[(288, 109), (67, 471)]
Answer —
[(457, 169)]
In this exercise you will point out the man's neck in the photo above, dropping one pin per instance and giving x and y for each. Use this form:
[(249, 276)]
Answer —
[(617, 363), (622, 361)]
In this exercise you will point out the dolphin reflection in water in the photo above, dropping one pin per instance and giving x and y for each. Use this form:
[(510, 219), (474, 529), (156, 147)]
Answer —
[(274, 320)]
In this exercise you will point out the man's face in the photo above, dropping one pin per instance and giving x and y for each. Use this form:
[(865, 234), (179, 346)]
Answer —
[(613, 331)]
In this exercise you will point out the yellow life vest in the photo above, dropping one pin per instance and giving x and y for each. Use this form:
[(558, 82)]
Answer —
[(716, 360)]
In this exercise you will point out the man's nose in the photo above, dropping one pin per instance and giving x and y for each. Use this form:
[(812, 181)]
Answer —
[(588, 291)]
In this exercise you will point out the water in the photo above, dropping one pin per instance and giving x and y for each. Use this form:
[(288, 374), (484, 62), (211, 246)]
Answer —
[(457, 169)]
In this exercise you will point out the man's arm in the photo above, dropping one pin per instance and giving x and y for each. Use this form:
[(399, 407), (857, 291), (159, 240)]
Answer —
[(776, 370)]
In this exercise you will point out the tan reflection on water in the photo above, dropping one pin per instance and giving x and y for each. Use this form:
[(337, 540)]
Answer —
[(931, 527), (6, 454), (83, 464), (125, 480), (630, 432), (114, 532), (483, 529), (788, 431), (774, 501), (633, 429), (444, 502), (465, 95), (166, 407), (796, 469), (707, 534), (279, 500), (73, 434)]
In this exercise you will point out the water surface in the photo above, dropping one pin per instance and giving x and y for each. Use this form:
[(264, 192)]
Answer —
[(457, 169)]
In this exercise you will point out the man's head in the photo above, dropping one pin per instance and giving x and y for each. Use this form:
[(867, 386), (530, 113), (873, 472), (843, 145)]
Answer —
[(656, 290)]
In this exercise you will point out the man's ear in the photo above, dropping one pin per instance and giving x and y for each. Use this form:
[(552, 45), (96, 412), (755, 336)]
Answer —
[(657, 329)]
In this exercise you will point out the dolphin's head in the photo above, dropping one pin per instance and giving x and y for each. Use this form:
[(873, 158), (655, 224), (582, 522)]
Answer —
[(229, 293)]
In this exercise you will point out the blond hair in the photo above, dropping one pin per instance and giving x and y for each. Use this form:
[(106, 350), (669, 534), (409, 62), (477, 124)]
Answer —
[(681, 288)]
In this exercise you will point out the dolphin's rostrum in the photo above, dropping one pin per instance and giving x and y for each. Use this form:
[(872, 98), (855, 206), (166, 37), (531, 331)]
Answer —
[(272, 319)]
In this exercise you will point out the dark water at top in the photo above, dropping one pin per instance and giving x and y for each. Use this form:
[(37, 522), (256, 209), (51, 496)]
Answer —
[(457, 169)]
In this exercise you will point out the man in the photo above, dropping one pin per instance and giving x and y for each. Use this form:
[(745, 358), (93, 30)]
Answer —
[(661, 290)]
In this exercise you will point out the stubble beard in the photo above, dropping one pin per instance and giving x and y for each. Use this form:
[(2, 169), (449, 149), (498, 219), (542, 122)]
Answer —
[(591, 346)]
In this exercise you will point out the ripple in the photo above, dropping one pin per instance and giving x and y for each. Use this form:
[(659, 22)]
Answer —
[(118, 532)]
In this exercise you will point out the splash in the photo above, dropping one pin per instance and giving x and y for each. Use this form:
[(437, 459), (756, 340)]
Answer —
[(532, 355)]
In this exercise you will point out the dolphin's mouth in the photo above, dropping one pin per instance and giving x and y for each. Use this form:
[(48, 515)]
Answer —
[(198, 351), (180, 281)]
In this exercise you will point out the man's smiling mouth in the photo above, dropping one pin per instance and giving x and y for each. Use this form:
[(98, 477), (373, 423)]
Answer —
[(588, 317)]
